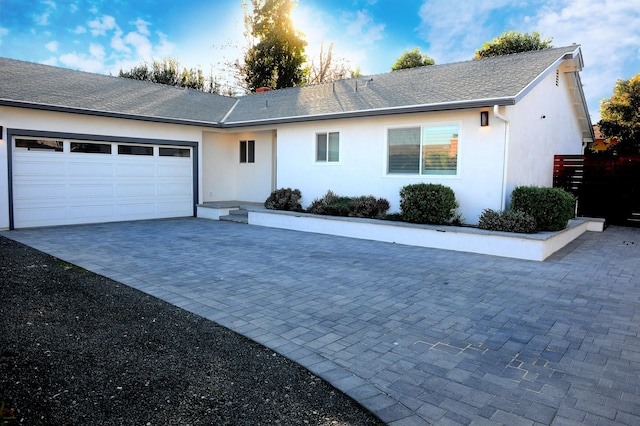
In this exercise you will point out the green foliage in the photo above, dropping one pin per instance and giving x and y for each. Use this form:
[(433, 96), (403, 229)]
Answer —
[(335, 205), (168, 72), (507, 221), (620, 116), (276, 56), (513, 42), (411, 59), (428, 203), (369, 206), (550, 207), (284, 199)]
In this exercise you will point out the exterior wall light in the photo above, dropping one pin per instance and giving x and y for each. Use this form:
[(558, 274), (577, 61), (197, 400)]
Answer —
[(484, 118)]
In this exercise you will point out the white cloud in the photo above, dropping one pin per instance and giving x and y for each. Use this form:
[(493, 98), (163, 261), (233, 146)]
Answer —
[(42, 19), (361, 27), (142, 26), (454, 30), (101, 25), (140, 44), (79, 30), (51, 61), (73, 7), (52, 46), (3, 32), (49, 3), (82, 62)]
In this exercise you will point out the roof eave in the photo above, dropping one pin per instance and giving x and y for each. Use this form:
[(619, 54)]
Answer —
[(445, 106), (110, 114)]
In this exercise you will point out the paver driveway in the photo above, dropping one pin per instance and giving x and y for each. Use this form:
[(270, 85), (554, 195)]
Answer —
[(417, 335)]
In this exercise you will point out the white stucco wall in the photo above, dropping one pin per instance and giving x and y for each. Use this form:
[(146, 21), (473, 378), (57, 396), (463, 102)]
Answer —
[(542, 125), (26, 119), (225, 178), (363, 160)]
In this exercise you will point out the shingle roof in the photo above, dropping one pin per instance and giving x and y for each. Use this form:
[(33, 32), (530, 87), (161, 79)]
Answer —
[(500, 80), (484, 82), (60, 88)]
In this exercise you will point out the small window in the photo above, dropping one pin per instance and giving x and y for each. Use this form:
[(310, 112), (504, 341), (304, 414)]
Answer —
[(91, 148), (135, 150), (175, 152), (328, 147), (39, 145), (247, 151)]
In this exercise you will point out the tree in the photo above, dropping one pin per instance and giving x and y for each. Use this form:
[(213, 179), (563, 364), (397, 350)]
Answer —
[(168, 72), (620, 116), (275, 56), (513, 42), (327, 68), (411, 59)]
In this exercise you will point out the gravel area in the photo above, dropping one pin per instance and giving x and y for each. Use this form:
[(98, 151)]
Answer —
[(77, 348)]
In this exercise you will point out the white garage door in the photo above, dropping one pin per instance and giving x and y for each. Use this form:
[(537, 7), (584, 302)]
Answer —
[(62, 182)]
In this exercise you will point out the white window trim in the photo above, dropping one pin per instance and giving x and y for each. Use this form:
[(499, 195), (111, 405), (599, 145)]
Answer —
[(421, 125), (315, 147)]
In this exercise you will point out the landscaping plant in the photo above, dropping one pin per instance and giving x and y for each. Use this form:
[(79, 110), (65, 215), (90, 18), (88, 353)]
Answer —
[(507, 221), (284, 199), (335, 205), (428, 203), (550, 207)]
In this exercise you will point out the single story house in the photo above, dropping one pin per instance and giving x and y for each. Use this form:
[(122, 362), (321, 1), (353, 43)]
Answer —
[(77, 147)]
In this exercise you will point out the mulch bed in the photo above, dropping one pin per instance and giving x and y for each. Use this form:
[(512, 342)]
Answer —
[(77, 348)]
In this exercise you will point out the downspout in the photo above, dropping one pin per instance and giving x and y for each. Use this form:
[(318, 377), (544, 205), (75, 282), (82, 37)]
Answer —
[(503, 197)]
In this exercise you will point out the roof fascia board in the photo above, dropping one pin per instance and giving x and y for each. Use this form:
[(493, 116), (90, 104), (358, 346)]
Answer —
[(547, 71), (480, 103), (109, 114)]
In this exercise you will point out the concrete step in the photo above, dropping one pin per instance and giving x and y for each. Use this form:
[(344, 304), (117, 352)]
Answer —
[(237, 216)]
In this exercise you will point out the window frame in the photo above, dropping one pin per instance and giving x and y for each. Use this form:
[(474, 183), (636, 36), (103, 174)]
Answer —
[(327, 147), (421, 173), (247, 151)]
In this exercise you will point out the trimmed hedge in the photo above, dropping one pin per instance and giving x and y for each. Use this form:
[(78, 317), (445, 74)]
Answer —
[(428, 203), (363, 206), (507, 221), (550, 207), (284, 199)]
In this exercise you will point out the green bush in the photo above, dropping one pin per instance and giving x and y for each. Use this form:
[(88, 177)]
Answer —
[(369, 206), (550, 207), (284, 199), (428, 203), (334, 205), (507, 221)]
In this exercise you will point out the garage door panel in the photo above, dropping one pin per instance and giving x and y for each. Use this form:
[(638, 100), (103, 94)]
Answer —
[(173, 209), (136, 170), (175, 170), (91, 169), (91, 190), (59, 188), (41, 216), (39, 168), (173, 189), (101, 212), (37, 191)]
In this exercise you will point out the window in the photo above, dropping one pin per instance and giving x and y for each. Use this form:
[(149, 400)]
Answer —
[(423, 150), (328, 147), (247, 151), (135, 150), (39, 145), (91, 148), (175, 152)]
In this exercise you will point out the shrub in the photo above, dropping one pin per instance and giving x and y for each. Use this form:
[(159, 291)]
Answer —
[(428, 203), (319, 205), (284, 199), (551, 207), (334, 205), (507, 221), (369, 206)]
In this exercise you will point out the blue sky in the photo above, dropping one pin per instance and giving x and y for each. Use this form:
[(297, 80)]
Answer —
[(104, 36)]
